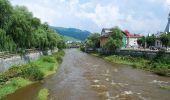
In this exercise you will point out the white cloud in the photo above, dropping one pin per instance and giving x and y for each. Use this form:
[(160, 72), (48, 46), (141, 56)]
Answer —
[(168, 1), (98, 14), (103, 16)]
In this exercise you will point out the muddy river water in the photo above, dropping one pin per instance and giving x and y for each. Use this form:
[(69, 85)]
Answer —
[(85, 77)]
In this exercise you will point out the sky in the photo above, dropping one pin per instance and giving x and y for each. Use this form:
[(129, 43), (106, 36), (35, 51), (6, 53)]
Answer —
[(137, 16)]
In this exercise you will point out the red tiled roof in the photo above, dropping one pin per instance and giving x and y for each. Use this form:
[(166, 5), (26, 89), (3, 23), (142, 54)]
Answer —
[(128, 34)]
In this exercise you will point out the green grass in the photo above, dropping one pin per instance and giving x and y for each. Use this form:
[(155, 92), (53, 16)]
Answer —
[(43, 94), (165, 87), (46, 66), (13, 85), (128, 60), (135, 62), (35, 71)]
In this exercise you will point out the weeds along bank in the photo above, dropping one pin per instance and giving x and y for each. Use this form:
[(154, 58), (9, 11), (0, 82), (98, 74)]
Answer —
[(159, 64), (20, 76)]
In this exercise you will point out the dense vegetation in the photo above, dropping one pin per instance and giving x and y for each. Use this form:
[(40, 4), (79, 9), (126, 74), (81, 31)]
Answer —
[(93, 41), (150, 40), (115, 39), (20, 30), (21, 75), (72, 32)]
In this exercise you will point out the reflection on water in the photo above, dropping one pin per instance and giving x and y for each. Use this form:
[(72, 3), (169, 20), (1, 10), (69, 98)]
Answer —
[(84, 77)]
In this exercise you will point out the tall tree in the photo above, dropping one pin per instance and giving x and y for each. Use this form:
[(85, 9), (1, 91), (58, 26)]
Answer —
[(150, 40), (5, 14), (165, 39), (21, 29), (6, 44), (141, 41), (115, 39), (93, 41)]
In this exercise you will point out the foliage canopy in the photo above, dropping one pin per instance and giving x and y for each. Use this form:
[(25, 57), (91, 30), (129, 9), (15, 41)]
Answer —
[(20, 30)]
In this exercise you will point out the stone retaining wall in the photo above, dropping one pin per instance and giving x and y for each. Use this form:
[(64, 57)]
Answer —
[(5, 64), (138, 53)]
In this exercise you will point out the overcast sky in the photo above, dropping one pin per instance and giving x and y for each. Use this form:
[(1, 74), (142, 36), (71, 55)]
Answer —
[(138, 16)]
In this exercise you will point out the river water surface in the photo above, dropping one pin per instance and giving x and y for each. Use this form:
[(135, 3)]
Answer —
[(85, 77)]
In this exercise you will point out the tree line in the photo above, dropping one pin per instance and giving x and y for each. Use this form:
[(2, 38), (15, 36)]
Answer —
[(150, 40), (20, 30), (115, 37)]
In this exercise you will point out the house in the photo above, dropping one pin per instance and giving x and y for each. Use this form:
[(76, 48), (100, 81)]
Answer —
[(129, 40), (158, 43)]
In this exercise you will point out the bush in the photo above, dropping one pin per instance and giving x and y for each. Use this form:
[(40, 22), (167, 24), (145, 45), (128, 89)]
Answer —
[(3, 79), (32, 73), (43, 94), (161, 70), (49, 59), (59, 56), (14, 71), (161, 57)]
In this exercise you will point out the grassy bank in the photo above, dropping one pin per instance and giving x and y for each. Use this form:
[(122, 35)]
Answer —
[(43, 94), (19, 76), (158, 65)]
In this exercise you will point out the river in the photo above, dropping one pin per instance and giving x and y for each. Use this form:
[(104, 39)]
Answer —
[(85, 77)]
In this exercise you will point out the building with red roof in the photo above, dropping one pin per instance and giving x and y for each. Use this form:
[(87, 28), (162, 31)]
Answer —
[(129, 40)]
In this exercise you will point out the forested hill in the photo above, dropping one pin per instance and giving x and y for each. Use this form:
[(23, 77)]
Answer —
[(72, 32)]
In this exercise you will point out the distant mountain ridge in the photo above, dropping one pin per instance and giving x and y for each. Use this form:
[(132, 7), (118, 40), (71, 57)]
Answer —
[(72, 32)]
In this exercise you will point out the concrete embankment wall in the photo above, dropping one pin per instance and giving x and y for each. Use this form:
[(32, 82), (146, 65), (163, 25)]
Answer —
[(6, 63), (138, 53), (135, 53)]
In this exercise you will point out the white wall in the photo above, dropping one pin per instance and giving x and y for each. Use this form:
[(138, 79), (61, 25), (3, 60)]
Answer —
[(133, 42)]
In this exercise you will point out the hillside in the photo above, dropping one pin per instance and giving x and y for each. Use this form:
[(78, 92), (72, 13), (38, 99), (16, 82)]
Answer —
[(67, 38), (72, 32)]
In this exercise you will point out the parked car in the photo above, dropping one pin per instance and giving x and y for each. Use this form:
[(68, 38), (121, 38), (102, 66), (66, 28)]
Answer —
[(168, 49), (153, 48)]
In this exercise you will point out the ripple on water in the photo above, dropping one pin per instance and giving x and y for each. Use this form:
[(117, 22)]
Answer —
[(95, 81), (128, 95), (107, 79), (119, 84), (99, 88), (159, 82)]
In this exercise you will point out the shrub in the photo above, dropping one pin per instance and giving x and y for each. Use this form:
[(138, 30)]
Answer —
[(161, 70), (32, 73), (49, 59), (3, 79), (59, 56), (14, 71), (43, 94), (51, 68)]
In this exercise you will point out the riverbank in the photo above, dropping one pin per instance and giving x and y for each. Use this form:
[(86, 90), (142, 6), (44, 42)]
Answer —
[(157, 66), (20, 76)]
